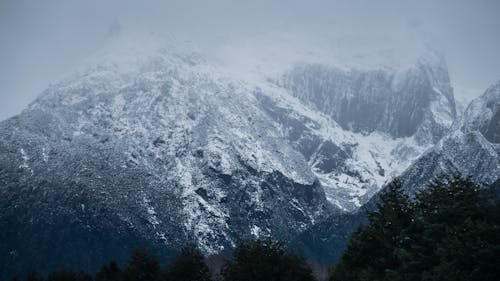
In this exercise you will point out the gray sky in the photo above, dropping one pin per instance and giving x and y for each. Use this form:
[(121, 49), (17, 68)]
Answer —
[(42, 40)]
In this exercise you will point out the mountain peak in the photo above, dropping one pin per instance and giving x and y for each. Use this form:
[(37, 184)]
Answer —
[(483, 114)]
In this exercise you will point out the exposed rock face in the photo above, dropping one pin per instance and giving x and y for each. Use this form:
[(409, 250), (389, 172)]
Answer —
[(414, 102), (166, 149), (471, 149), (483, 115)]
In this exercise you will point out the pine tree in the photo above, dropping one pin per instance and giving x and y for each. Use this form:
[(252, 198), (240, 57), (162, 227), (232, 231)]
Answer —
[(458, 232), (265, 260), (142, 267), (33, 277), (109, 272), (189, 265), (450, 232), (67, 275), (378, 248)]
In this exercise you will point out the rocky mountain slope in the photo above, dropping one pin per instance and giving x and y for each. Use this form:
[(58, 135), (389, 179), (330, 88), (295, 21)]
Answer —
[(417, 101), (162, 148), (471, 149)]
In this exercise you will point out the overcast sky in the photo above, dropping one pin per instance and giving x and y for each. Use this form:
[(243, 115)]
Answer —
[(42, 40)]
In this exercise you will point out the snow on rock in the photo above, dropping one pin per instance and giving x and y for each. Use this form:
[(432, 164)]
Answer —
[(25, 161), (471, 149), (175, 147)]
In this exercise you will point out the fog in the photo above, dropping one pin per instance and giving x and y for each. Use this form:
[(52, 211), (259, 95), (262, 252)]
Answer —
[(43, 40)]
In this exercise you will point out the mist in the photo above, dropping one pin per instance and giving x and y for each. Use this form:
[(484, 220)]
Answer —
[(43, 40)]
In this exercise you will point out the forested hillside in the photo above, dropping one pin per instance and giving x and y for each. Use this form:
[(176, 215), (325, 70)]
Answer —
[(448, 231)]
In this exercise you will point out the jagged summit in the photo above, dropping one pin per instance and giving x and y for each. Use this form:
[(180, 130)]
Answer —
[(483, 114), (417, 101), (470, 149)]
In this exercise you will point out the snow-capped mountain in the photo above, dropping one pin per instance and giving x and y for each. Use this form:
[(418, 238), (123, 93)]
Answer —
[(163, 147), (417, 101), (392, 116), (471, 149)]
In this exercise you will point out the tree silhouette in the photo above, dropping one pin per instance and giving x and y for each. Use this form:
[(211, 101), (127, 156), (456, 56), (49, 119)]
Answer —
[(142, 267), (265, 260), (451, 231), (189, 265), (371, 250), (109, 272), (67, 275)]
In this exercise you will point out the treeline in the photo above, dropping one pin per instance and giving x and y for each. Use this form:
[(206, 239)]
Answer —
[(252, 260), (449, 231)]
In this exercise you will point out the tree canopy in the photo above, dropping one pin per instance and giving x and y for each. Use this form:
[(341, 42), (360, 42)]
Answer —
[(265, 260), (450, 231)]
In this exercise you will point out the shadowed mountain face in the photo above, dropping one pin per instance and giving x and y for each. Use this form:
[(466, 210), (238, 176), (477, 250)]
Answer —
[(414, 102), (167, 148)]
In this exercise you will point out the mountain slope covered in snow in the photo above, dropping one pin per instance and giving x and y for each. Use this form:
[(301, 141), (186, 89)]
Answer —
[(159, 148), (471, 149)]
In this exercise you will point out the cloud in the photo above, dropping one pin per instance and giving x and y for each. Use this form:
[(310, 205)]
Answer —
[(41, 40)]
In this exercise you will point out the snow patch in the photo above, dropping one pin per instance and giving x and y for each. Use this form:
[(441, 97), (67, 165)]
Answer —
[(151, 213), (255, 231), (45, 155), (25, 159)]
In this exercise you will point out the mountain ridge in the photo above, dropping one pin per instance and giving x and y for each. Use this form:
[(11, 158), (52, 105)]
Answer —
[(167, 148), (465, 151)]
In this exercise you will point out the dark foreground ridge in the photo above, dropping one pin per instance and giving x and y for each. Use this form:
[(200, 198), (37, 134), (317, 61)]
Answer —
[(448, 231)]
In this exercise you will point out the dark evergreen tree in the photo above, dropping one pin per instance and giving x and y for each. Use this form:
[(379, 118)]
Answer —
[(67, 275), (142, 267), (457, 233), (265, 260), (109, 272), (189, 265), (377, 248), (33, 277), (450, 232)]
